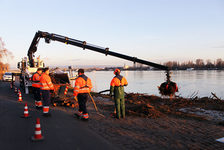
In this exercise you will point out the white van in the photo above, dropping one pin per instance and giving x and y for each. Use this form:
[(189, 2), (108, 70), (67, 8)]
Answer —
[(8, 77)]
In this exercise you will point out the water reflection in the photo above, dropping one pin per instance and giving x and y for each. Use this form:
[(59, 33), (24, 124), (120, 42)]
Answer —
[(189, 82)]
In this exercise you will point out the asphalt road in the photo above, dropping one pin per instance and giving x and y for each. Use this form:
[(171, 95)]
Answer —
[(61, 131)]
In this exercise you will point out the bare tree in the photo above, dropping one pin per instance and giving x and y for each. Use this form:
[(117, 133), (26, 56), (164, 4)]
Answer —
[(5, 55)]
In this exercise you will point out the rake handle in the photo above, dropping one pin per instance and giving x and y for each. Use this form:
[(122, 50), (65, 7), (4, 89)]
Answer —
[(93, 102)]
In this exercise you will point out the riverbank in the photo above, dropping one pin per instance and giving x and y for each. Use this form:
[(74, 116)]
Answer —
[(157, 123)]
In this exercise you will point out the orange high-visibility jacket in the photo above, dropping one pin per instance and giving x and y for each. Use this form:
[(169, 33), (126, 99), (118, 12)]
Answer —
[(82, 85), (118, 80), (46, 83), (117, 86), (36, 80)]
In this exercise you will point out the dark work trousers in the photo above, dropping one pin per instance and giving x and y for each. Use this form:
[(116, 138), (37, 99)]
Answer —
[(46, 97), (82, 99), (36, 93)]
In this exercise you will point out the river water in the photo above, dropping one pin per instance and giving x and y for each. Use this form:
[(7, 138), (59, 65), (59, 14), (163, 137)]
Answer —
[(190, 83)]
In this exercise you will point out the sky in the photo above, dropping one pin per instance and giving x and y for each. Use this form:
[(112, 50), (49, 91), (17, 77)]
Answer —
[(153, 30)]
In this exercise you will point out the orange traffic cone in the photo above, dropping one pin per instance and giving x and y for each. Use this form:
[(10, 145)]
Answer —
[(38, 136), (66, 90), (26, 112), (20, 97)]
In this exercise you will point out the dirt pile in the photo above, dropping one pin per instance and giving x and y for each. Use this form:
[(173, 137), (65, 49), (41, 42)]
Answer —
[(154, 106), (140, 105)]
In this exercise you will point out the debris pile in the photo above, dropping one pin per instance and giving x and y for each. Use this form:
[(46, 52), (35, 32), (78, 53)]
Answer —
[(139, 105), (154, 106), (66, 102), (209, 103), (58, 98)]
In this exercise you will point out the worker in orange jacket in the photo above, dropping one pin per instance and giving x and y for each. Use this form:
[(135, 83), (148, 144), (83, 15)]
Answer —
[(82, 87), (36, 88), (117, 90), (46, 87)]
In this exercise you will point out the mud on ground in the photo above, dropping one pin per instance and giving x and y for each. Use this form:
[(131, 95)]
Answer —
[(159, 123)]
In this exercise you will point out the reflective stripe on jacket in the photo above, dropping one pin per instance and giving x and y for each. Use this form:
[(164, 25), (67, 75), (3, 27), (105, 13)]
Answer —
[(46, 83), (82, 85), (36, 80)]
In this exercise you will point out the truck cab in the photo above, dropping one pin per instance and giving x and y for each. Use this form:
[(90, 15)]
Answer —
[(27, 72)]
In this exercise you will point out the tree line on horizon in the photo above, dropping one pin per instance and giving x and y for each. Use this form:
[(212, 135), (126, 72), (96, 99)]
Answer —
[(199, 64)]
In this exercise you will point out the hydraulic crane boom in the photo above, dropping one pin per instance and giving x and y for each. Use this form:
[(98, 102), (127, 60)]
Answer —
[(83, 44), (166, 88)]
